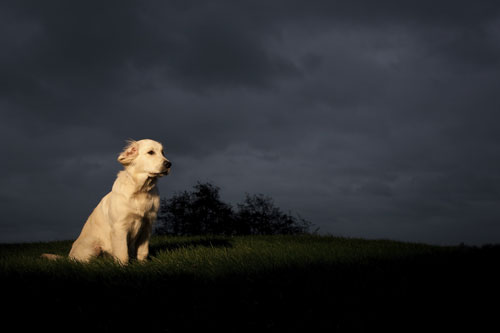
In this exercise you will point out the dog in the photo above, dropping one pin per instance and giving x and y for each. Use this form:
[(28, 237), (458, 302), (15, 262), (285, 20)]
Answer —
[(122, 222)]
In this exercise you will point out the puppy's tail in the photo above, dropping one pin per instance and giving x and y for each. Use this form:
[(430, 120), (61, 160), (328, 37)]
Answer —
[(51, 256)]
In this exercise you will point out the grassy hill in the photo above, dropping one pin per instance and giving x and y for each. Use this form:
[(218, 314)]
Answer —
[(255, 283)]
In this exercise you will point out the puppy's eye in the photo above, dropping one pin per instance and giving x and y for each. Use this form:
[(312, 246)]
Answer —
[(151, 152)]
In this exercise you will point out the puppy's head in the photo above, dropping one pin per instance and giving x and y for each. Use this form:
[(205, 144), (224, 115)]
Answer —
[(145, 156)]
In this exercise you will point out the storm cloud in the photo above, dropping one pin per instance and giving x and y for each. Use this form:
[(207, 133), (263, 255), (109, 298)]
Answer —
[(370, 119)]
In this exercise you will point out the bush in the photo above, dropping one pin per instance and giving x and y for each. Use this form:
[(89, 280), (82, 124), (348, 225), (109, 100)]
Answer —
[(195, 213), (258, 215), (201, 211)]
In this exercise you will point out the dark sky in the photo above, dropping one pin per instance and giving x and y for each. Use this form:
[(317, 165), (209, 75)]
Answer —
[(374, 119)]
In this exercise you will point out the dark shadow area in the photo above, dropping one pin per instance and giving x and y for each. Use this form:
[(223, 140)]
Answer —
[(449, 291), (215, 241)]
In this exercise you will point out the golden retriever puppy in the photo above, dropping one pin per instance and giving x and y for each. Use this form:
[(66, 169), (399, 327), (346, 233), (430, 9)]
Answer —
[(121, 224)]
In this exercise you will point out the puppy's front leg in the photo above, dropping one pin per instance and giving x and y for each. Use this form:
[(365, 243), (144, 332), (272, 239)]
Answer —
[(143, 241), (143, 251), (119, 244)]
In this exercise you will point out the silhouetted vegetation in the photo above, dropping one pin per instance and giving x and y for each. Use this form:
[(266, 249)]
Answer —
[(202, 211)]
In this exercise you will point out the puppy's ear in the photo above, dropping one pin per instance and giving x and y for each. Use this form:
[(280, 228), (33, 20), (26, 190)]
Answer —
[(129, 153)]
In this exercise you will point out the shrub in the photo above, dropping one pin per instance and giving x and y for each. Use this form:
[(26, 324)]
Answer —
[(258, 215)]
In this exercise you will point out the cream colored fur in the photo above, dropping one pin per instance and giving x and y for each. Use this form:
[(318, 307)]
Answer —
[(121, 224)]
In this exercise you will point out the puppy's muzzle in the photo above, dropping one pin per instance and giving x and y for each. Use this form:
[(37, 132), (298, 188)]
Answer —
[(166, 167)]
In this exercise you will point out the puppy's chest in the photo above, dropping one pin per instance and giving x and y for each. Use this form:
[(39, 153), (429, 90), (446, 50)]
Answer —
[(145, 204)]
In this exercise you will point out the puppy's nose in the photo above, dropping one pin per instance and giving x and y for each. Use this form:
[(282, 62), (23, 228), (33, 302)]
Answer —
[(167, 164)]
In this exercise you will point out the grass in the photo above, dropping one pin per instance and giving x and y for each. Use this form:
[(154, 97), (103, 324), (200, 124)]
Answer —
[(256, 283)]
